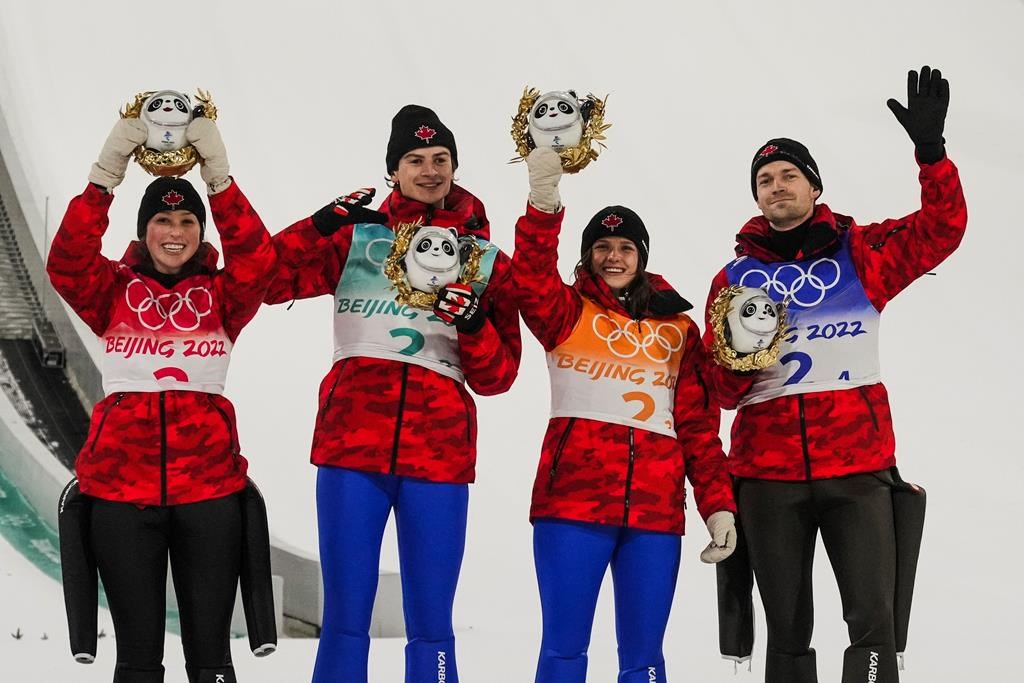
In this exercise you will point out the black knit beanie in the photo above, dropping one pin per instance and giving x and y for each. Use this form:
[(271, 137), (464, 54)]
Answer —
[(784, 149), (617, 221), (170, 194), (414, 127)]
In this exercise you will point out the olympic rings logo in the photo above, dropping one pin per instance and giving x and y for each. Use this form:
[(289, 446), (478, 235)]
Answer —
[(371, 247), (801, 287), (657, 343), (183, 311)]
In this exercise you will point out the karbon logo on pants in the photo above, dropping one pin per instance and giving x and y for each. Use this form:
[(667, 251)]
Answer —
[(440, 666), (873, 667)]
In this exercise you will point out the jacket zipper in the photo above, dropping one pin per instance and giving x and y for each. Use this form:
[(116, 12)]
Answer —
[(885, 238), (398, 418), (103, 420), (871, 408), (163, 450), (558, 452), (803, 437), (629, 479), (227, 423)]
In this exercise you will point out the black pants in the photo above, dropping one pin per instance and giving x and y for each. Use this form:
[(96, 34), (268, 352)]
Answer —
[(131, 547), (854, 514)]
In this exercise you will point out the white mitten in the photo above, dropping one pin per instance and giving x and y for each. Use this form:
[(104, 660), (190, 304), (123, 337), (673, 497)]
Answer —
[(545, 171), (203, 134), (722, 527), (125, 136)]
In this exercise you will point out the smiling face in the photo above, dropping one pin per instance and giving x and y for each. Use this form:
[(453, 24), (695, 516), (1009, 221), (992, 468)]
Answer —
[(172, 238), (784, 194), (425, 175), (615, 260)]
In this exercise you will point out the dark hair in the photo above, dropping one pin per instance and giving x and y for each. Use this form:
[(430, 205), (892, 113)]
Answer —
[(636, 297)]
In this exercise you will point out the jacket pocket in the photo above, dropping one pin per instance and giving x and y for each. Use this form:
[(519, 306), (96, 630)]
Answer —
[(468, 406), (103, 420), (558, 452), (871, 409), (233, 445)]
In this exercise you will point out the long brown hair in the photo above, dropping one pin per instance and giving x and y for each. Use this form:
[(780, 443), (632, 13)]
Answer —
[(636, 297)]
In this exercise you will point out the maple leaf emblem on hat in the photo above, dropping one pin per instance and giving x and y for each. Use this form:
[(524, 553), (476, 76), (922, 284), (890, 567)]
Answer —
[(770, 149), (173, 198), (425, 133), (611, 221)]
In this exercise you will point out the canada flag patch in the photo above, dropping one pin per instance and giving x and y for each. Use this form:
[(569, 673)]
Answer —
[(425, 133), (611, 221), (173, 198), (769, 149)]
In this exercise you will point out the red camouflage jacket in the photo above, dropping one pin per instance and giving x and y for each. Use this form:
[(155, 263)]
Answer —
[(596, 471), (166, 447), (836, 433), (378, 415)]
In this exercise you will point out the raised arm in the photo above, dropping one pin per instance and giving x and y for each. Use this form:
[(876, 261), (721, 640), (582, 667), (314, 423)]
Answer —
[(549, 307), (892, 254), (77, 269)]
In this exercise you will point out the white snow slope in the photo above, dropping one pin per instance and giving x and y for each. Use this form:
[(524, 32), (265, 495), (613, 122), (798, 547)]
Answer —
[(306, 91)]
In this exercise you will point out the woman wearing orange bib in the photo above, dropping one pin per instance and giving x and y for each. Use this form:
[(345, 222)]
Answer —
[(630, 421)]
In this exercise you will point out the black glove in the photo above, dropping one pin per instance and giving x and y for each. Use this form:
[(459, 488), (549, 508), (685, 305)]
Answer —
[(457, 304), (925, 113), (347, 210)]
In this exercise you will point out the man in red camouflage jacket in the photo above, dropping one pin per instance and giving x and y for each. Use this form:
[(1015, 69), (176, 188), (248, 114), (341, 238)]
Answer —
[(396, 427), (812, 442), (162, 465)]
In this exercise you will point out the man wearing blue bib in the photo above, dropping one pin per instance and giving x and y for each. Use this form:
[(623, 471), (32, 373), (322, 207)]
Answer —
[(812, 444)]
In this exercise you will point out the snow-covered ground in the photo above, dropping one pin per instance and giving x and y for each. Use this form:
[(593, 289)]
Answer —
[(306, 91)]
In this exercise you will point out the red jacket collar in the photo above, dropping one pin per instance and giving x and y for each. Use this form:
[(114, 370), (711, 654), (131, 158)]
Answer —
[(461, 210), (754, 238), (668, 303)]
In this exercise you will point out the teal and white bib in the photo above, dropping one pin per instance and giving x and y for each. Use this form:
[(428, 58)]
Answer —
[(369, 322)]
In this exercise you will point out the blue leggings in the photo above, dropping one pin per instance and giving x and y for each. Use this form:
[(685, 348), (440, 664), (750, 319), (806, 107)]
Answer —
[(571, 559), (352, 510)]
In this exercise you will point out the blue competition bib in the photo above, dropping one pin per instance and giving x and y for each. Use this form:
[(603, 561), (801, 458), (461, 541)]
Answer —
[(832, 338)]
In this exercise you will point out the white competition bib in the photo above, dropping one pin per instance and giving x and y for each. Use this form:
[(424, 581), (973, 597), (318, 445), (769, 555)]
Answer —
[(160, 340)]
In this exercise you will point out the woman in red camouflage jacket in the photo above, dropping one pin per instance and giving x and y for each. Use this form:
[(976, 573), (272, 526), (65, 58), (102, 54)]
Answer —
[(396, 426), (631, 418), (162, 466)]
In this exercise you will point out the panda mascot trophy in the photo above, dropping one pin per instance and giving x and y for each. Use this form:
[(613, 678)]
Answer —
[(167, 114), (559, 119), (748, 328), (425, 258)]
